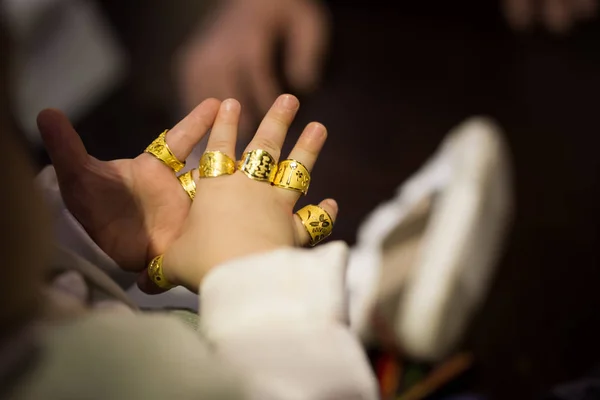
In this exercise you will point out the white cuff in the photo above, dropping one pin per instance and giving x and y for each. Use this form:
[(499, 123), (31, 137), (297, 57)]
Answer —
[(287, 286), (281, 319)]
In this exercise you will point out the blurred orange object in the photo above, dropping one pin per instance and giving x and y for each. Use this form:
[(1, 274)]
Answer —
[(439, 377), (389, 371)]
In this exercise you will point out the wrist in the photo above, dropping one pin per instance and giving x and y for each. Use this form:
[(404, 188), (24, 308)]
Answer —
[(189, 270)]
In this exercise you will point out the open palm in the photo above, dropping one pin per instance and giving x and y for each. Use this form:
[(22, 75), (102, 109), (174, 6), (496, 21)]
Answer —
[(132, 208)]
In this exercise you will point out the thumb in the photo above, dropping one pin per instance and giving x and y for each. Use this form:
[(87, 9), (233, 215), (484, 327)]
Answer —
[(64, 146), (307, 40)]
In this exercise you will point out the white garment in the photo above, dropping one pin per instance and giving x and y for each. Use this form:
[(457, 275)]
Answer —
[(281, 318), (469, 182)]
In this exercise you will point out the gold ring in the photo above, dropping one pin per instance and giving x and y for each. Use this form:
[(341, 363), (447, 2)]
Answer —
[(258, 165), (155, 272), (293, 175), (160, 149), (188, 183), (215, 163), (317, 221)]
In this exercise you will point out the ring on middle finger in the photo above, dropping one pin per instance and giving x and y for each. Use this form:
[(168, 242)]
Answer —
[(292, 175), (215, 163), (258, 165)]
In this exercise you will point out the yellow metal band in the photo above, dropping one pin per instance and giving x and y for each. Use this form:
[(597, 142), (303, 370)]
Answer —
[(155, 272), (215, 163), (317, 221), (258, 165), (188, 183), (293, 175), (160, 149)]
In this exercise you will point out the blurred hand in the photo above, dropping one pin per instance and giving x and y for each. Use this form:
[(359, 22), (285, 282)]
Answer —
[(132, 208), (234, 56), (557, 15), (234, 216)]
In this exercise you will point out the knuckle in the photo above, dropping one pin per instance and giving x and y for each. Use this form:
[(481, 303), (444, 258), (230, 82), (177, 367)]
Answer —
[(219, 144), (267, 144), (279, 120)]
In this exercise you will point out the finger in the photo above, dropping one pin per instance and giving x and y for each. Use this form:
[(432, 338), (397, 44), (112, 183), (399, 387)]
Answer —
[(306, 151), (519, 13), (274, 126), (328, 205), (190, 130), (557, 15), (64, 146), (224, 132), (306, 46), (262, 79)]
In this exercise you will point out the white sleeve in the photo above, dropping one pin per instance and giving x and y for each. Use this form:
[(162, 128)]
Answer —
[(281, 318), (69, 233)]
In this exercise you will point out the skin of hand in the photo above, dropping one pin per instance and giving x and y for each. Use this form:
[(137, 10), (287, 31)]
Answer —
[(234, 55), (556, 15), (132, 208), (234, 216)]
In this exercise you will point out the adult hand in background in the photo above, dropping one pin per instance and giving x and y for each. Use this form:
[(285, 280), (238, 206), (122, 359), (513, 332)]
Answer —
[(556, 15), (132, 208), (234, 55)]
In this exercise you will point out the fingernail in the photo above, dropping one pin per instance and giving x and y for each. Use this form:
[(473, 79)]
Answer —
[(230, 105), (288, 101), (317, 130), (332, 204)]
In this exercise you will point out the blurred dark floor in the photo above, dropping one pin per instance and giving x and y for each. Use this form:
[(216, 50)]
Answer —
[(399, 79)]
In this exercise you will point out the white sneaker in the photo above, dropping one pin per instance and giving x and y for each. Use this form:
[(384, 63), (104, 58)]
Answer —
[(423, 260)]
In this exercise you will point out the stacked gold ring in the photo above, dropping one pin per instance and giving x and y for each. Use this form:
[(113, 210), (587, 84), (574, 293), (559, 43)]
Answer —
[(258, 165), (188, 183), (317, 221), (215, 163), (292, 175), (160, 149), (155, 272)]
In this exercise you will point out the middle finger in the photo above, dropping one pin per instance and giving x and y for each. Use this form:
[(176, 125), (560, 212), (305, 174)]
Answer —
[(274, 126)]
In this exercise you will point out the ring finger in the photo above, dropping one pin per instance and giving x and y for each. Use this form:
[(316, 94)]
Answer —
[(305, 151)]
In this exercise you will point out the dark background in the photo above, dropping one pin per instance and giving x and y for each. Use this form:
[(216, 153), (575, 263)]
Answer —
[(400, 76)]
